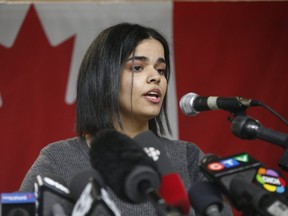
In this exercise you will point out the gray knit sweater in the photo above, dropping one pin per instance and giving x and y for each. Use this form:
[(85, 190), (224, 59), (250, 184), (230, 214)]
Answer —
[(68, 157)]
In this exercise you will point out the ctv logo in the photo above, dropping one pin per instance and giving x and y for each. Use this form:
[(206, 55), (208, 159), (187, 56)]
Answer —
[(270, 180), (228, 162)]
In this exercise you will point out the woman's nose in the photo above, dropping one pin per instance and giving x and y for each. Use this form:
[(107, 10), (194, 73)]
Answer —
[(153, 77)]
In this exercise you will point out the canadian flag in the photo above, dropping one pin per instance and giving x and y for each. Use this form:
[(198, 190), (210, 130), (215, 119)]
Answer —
[(218, 48), (41, 48)]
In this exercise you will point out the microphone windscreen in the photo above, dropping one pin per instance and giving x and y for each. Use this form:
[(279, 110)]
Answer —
[(154, 149), (80, 180), (203, 194), (186, 104), (115, 156), (171, 188)]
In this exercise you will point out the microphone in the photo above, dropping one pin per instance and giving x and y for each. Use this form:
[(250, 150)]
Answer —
[(246, 127), (127, 169), (88, 188), (191, 104), (58, 210), (171, 187), (221, 171), (206, 198), (271, 180), (52, 194), (253, 198), (18, 203)]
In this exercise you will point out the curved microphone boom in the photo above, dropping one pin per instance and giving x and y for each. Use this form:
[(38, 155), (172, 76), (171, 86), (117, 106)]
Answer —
[(191, 104)]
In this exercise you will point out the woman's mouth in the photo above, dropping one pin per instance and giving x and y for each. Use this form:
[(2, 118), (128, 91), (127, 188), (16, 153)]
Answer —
[(153, 96)]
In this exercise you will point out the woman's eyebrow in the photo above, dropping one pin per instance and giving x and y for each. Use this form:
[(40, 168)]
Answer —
[(145, 59), (161, 60), (141, 58)]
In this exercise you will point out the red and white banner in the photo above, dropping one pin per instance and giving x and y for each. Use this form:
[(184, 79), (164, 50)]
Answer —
[(41, 48), (218, 48)]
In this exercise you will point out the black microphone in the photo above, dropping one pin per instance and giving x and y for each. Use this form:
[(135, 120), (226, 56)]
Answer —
[(171, 188), (51, 194), (221, 171), (191, 104), (246, 127), (256, 200), (88, 188), (18, 203), (58, 210), (206, 199), (127, 169)]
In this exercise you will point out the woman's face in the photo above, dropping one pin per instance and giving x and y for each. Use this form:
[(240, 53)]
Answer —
[(149, 85)]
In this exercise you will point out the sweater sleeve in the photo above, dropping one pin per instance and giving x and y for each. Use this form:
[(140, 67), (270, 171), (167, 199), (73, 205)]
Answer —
[(44, 164), (194, 156)]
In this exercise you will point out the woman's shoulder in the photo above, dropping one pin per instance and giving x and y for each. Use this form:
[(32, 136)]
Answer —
[(182, 149), (68, 143), (177, 143), (64, 158), (66, 149)]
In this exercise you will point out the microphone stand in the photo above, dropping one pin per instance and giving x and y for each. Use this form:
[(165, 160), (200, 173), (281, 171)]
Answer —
[(248, 128)]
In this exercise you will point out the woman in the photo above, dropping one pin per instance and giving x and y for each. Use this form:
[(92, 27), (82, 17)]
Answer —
[(122, 85)]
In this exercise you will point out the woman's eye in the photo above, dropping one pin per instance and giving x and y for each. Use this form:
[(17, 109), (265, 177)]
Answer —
[(161, 71), (136, 68)]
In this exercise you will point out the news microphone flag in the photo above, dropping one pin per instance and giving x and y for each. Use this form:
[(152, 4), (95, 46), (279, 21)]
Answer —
[(18, 203), (223, 170)]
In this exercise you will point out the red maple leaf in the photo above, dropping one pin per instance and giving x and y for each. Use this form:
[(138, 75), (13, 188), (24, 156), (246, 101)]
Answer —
[(33, 83)]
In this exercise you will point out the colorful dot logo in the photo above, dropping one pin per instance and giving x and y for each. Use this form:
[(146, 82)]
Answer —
[(270, 180)]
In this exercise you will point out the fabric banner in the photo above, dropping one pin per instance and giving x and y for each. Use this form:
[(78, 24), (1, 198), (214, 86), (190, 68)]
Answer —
[(222, 52), (41, 48), (218, 49), (233, 49)]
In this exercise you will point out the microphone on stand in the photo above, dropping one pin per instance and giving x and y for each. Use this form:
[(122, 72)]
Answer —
[(127, 170), (206, 199), (88, 188), (51, 194), (221, 171), (58, 210), (246, 127), (171, 188), (191, 104), (255, 199)]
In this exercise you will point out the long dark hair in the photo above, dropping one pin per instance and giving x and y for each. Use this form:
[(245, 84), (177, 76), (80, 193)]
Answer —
[(99, 78)]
